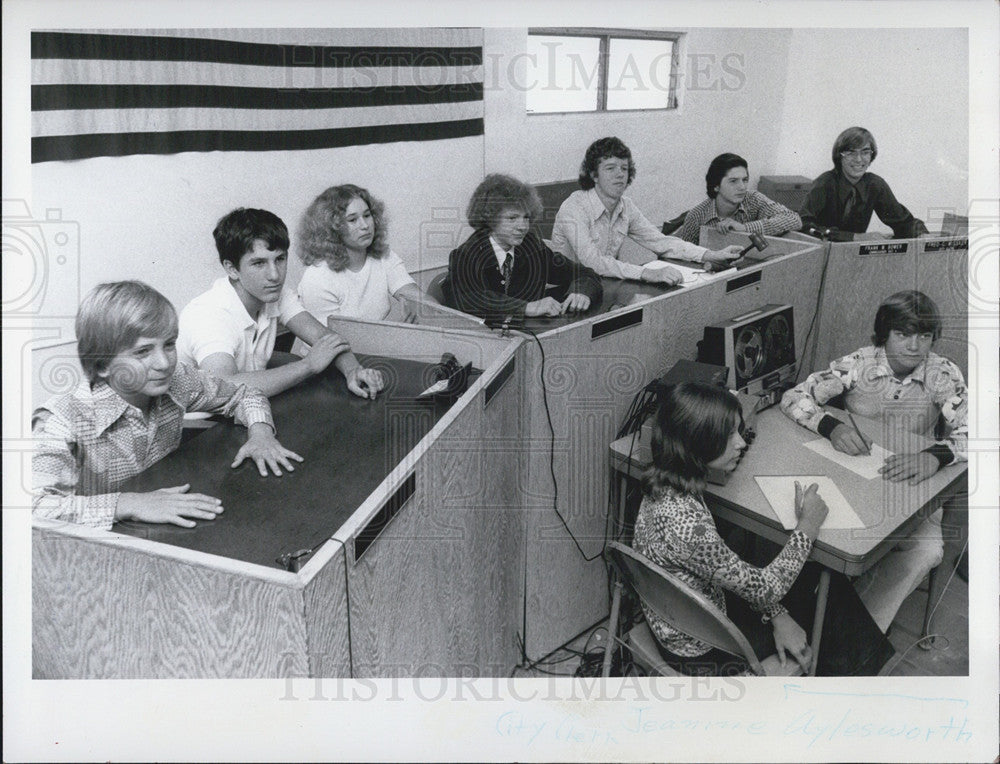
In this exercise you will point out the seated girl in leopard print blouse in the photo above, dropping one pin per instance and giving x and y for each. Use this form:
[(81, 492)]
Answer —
[(697, 428)]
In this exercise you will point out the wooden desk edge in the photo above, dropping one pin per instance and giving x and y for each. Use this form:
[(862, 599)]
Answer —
[(360, 518), (191, 557)]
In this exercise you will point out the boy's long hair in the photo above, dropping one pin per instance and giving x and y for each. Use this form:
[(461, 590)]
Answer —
[(910, 312), (497, 193), (692, 426), (113, 316), (850, 139), (601, 149)]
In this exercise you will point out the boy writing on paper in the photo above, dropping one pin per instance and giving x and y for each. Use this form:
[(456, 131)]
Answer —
[(899, 375), (127, 414)]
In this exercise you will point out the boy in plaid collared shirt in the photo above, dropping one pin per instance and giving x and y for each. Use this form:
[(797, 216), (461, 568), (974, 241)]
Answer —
[(126, 415)]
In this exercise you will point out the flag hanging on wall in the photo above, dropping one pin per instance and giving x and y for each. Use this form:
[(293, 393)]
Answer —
[(114, 93)]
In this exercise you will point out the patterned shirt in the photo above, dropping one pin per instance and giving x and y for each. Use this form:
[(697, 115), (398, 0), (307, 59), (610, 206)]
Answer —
[(89, 441), (585, 230), (758, 213), (936, 387), (676, 531)]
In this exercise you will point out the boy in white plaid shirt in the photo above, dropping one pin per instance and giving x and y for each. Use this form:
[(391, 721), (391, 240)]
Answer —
[(126, 415)]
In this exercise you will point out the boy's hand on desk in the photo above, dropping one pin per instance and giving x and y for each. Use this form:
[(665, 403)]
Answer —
[(847, 440), (788, 635), (547, 306), (724, 255), (912, 467), (662, 275), (266, 451), (168, 505), (575, 302), (365, 383), (322, 353), (411, 311)]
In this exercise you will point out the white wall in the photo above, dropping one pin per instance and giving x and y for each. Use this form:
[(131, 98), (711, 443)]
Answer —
[(732, 108), (151, 217), (910, 87), (778, 97)]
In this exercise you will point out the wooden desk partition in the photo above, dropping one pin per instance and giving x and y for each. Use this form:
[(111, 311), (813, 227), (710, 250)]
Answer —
[(860, 275), (593, 369), (438, 592), (434, 592), (108, 606)]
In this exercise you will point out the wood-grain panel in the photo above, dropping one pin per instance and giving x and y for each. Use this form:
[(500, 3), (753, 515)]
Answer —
[(590, 384), (856, 285), (943, 275), (102, 610), (326, 617), (439, 591)]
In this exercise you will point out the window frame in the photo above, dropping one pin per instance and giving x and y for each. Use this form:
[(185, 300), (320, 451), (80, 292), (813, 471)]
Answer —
[(604, 36)]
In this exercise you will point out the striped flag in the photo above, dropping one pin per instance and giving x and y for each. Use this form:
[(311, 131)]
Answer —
[(114, 93)]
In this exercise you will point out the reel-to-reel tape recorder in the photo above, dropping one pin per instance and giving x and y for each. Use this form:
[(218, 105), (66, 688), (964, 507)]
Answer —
[(759, 349)]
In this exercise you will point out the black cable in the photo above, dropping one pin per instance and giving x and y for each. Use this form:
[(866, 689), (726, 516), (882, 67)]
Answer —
[(815, 316), (552, 452)]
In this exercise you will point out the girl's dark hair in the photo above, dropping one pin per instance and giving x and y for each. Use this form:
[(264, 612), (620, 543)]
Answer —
[(718, 169), (692, 427), (910, 312), (597, 152)]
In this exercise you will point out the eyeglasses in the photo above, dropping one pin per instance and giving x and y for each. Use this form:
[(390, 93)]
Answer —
[(856, 154)]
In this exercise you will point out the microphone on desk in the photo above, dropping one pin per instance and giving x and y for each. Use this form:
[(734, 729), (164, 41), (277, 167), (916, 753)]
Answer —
[(451, 378), (819, 232)]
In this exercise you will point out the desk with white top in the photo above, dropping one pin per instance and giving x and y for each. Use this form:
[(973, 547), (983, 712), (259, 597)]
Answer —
[(888, 510)]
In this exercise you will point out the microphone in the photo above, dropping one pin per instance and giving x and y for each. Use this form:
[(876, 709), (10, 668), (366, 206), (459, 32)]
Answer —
[(819, 232)]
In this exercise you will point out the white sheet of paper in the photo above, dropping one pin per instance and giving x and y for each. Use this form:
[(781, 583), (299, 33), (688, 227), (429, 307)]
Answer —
[(865, 466), (779, 490), (691, 275), (437, 387)]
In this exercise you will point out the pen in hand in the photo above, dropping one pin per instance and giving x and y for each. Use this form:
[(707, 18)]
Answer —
[(868, 445)]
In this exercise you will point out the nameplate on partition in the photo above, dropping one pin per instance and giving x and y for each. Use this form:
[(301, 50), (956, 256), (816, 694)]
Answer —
[(498, 382), (616, 323), (890, 248), (741, 282), (944, 246), (382, 518)]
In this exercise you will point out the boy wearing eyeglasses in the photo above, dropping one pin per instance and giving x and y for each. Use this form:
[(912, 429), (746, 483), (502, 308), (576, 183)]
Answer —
[(843, 199)]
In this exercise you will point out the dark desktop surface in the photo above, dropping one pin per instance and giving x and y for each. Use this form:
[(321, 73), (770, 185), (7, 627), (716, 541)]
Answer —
[(349, 445), (618, 293)]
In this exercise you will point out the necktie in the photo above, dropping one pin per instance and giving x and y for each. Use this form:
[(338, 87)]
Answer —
[(505, 270), (849, 205)]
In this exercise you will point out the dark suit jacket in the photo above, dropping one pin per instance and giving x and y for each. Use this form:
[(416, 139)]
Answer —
[(474, 279)]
